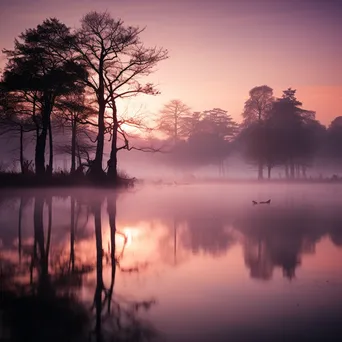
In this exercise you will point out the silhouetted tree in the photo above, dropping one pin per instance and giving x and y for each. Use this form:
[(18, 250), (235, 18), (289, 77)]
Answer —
[(280, 132), (42, 67), (294, 129), (334, 142), (259, 142), (116, 59), (256, 112), (314, 135), (271, 147)]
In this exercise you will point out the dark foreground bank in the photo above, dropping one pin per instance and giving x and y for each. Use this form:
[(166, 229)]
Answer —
[(18, 180)]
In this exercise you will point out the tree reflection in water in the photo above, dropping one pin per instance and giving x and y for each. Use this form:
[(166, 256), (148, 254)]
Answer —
[(271, 237), (39, 298), (114, 317), (279, 237), (46, 272)]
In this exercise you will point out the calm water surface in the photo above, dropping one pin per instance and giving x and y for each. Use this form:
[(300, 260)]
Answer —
[(172, 263)]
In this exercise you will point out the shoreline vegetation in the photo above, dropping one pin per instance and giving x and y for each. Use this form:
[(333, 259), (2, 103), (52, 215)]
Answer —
[(62, 179)]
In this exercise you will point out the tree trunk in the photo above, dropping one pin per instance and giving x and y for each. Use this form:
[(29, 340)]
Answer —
[(22, 167), (40, 152), (96, 168), (73, 146), (269, 168), (97, 165), (112, 162), (79, 155), (41, 138)]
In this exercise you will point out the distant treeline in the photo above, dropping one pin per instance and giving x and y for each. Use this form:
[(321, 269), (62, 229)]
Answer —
[(275, 132), (59, 91)]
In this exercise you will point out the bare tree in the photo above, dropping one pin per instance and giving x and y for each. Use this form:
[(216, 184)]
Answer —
[(116, 59), (174, 119)]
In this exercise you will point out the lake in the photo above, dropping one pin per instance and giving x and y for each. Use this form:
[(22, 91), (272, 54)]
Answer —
[(172, 263)]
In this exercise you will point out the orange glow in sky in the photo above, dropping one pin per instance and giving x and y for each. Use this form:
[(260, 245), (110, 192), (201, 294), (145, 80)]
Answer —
[(218, 49)]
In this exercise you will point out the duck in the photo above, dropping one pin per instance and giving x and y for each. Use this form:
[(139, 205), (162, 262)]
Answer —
[(265, 202), (254, 202)]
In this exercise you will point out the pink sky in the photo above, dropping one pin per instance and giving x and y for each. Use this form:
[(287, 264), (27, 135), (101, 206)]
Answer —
[(219, 49)]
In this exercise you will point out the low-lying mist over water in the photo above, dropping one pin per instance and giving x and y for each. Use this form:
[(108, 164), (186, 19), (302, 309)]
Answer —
[(172, 263)]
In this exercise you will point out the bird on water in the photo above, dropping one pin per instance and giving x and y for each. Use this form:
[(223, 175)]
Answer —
[(263, 202)]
